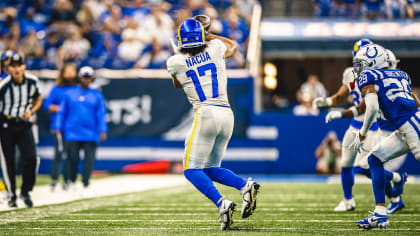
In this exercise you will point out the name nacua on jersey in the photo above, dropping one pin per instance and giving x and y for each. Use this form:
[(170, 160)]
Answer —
[(200, 58), (202, 76)]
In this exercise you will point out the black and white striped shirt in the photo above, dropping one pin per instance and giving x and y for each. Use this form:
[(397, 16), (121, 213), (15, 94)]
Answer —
[(16, 99)]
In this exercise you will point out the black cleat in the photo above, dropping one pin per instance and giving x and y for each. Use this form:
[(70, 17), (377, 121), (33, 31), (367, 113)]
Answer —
[(26, 199), (249, 198), (12, 203), (226, 211)]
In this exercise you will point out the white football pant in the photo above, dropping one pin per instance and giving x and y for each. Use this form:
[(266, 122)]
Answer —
[(396, 163), (401, 141), (207, 141)]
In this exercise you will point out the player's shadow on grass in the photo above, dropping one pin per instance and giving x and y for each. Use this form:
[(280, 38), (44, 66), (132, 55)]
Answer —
[(250, 228)]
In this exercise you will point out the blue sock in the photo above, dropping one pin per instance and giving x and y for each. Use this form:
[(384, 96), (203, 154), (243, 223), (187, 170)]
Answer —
[(358, 170), (347, 181), (204, 184), (378, 178), (388, 176), (389, 190), (225, 177), (362, 171)]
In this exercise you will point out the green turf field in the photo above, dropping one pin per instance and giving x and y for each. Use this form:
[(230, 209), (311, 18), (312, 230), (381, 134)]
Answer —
[(283, 209)]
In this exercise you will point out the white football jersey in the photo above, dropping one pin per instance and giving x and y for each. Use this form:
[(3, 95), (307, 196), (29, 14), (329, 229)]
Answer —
[(203, 77), (349, 80)]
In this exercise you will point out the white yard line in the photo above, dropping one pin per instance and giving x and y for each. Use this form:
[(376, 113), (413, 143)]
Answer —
[(203, 209), (212, 213), (42, 195), (275, 229), (207, 221)]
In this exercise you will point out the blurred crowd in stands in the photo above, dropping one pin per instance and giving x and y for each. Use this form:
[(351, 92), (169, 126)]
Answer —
[(368, 9), (117, 34)]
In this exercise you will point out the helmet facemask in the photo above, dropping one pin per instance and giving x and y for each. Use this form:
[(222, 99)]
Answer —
[(359, 65)]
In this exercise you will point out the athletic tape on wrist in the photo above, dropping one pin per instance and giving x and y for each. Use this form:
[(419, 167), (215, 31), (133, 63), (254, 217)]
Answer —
[(354, 111), (329, 101)]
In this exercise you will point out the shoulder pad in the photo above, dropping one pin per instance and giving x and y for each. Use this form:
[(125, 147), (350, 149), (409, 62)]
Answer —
[(367, 77)]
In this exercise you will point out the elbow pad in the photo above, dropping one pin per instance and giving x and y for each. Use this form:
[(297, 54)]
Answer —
[(372, 107)]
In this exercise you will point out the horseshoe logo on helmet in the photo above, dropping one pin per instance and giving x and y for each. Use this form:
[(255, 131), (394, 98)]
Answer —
[(371, 56)]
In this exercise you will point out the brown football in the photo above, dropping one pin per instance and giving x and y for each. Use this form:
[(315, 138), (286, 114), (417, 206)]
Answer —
[(204, 20)]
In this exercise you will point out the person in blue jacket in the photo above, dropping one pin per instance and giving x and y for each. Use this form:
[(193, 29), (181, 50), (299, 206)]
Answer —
[(4, 61), (82, 120), (67, 79)]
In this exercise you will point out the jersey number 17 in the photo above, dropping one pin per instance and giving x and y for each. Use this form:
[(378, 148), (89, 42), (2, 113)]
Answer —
[(202, 72)]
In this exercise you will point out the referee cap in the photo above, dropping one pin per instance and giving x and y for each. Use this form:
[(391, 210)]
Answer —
[(86, 71), (16, 59)]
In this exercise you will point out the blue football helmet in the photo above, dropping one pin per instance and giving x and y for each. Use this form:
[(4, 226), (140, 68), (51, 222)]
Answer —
[(191, 34), (359, 44), (7, 54), (5, 57)]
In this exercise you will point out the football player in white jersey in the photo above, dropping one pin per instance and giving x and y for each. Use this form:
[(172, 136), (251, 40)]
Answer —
[(385, 129), (199, 68), (350, 158)]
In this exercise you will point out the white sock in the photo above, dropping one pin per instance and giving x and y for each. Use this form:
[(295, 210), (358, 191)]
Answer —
[(348, 200), (396, 178), (381, 210), (395, 199)]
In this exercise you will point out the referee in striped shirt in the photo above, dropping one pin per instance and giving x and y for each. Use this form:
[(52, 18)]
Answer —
[(19, 99)]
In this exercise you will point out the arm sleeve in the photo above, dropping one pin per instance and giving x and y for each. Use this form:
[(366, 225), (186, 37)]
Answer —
[(348, 77), (59, 121), (101, 115), (170, 66), (221, 47), (2, 92), (49, 99), (409, 80), (37, 90), (372, 108)]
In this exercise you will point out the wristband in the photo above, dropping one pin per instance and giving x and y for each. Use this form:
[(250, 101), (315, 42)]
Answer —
[(354, 111), (329, 101)]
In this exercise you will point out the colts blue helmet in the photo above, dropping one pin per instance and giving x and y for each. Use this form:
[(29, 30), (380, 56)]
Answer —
[(359, 44), (191, 34)]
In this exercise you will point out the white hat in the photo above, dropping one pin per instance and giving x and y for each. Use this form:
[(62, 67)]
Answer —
[(86, 71)]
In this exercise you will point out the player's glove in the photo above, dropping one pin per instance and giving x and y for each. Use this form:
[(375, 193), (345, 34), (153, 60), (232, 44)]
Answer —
[(333, 115), (321, 102), (357, 144)]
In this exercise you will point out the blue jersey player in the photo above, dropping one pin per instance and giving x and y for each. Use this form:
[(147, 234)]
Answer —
[(389, 91), (386, 128), (351, 161)]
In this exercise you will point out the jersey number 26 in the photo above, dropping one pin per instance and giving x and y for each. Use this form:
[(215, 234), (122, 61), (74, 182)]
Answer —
[(400, 89)]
